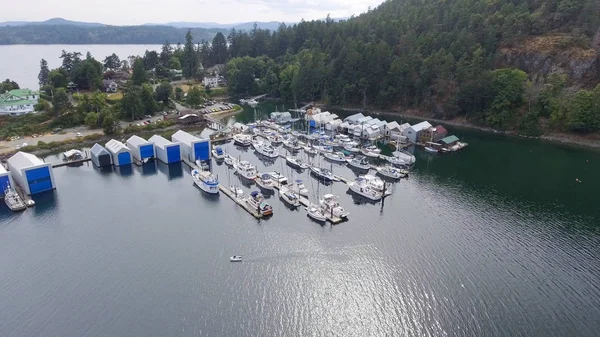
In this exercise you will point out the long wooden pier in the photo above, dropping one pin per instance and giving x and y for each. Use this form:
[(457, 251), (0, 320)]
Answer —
[(240, 202)]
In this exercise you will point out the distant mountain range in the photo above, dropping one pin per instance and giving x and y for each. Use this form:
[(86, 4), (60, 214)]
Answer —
[(271, 25)]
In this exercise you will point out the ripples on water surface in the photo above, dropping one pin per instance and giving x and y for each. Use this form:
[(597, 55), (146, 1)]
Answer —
[(145, 253)]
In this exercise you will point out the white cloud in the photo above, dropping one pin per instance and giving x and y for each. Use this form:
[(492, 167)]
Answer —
[(132, 12)]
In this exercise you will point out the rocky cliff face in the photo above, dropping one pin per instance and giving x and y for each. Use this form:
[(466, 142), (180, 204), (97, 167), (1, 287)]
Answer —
[(541, 56)]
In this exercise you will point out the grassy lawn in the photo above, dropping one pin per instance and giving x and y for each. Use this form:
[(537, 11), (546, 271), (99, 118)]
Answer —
[(184, 87), (117, 96)]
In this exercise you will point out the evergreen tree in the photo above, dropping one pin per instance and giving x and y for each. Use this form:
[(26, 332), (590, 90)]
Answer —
[(44, 75), (219, 49), (139, 75), (190, 59)]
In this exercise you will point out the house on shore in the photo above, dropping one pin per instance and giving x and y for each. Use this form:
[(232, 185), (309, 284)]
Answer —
[(110, 85), (413, 132), (18, 102)]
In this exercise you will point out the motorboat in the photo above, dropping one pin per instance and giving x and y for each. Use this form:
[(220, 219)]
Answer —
[(256, 143), (252, 103), (397, 161), (236, 258), (257, 201), (278, 178), (361, 187), (431, 149), (265, 181), (290, 197), (207, 181), (330, 206), (275, 139), (391, 172), (323, 148), (218, 153), (265, 149), (309, 150), (406, 156), (237, 191), (298, 187), (351, 148), (12, 199), (246, 170), (337, 157), (229, 160), (371, 151), (359, 163), (323, 173), (316, 213), (377, 184), (242, 139), (292, 144), (296, 162)]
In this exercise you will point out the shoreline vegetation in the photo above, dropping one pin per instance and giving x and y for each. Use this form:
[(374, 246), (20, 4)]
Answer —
[(591, 141)]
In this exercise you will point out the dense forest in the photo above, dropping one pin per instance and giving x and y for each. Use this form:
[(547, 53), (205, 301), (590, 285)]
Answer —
[(71, 34), (507, 64)]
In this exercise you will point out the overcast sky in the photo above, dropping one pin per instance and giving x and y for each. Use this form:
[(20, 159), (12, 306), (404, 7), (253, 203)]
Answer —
[(132, 12)]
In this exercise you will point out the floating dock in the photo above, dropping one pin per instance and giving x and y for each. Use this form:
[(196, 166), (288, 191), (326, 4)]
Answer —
[(72, 162), (305, 202), (240, 202)]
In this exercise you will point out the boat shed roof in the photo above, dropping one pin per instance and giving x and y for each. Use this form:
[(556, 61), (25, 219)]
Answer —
[(354, 118), (421, 126), (184, 137), (24, 159), (449, 140), (98, 149), (115, 146), (137, 140), (160, 141), (393, 125)]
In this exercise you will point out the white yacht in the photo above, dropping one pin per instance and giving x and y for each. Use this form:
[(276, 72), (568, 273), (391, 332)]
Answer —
[(257, 201), (275, 139), (292, 144), (391, 172), (406, 156), (309, 150), (371, 151), (323, 173), (218, 153), (229, 160), (316, 213), (377, 184), (330, 206), (267, 150), (298, 187), (12, 199), (237, 191), (264, 181), (296, 162), (359, 163), (207, 181), (246, 170), (323, 148), (361, 187), (236, 258), (351, 148), (242, 139), (337, 157), (289, 196)]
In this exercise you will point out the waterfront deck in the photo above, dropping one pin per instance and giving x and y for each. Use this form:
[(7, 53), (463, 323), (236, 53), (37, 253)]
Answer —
[(240, 202)]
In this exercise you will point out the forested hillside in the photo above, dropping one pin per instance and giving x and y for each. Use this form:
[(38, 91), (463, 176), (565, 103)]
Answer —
[(505, 64), (72, 34)]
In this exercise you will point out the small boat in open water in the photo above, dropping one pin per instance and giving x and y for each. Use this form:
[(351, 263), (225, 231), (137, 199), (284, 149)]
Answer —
[(236, 258)]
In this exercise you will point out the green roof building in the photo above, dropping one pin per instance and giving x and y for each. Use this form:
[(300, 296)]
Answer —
[(18, 102)]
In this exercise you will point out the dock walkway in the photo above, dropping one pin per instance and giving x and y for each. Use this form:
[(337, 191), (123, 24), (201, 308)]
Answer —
[(72, 162), (240, 202)]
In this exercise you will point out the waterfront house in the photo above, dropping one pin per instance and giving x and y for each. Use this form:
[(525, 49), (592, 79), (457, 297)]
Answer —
[(211, 81), (110, 85), (440, 132), (353, 119), (432, 134), (18, 102), (413, 132), (166, 151), (31, 173)]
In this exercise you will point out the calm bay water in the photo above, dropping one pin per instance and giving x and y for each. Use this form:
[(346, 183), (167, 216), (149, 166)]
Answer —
[(21, 63), (498, 240)]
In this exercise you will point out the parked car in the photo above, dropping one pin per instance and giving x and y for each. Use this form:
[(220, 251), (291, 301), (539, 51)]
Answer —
[(79, 134)]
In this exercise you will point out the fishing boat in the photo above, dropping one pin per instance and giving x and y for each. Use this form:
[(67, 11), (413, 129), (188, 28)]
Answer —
[(289, 196), (218, 153), (391, 172), (242, 139), (207, 181), (265, 181), (278, 178), (361, 187), (237, 191), (298, 187), (309, 150), (246, 170), (337, 157), (316, 213), (12, 199), (323, 173), (296, 162), (359, 163), (377, 184), (265, 149), (229, 160), (236, 258), (257, 201), (371, 151), (330, 206)]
